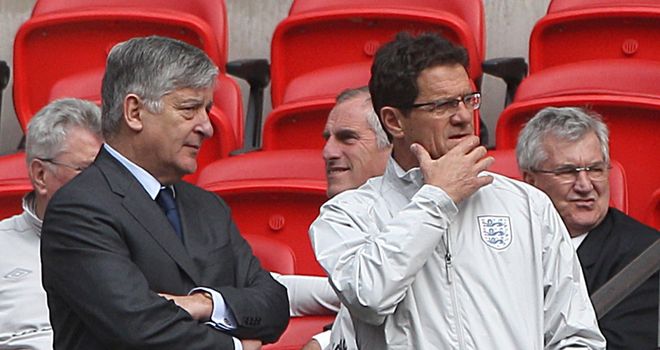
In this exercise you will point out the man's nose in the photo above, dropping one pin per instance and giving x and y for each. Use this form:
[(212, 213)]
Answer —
[(204, 127), (583, 183), (331, 149)]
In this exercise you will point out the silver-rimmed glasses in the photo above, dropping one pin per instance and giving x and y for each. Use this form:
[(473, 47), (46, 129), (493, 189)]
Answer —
[(596, 172), (449, 106)]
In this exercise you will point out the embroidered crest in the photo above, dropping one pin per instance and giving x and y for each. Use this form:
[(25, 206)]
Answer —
[(495, 231)]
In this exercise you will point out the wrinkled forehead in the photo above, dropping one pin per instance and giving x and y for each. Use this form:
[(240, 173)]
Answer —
[(350, 114), (582, 151)]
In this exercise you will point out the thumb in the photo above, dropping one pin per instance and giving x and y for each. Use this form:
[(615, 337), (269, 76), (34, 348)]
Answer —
[(420, 152)]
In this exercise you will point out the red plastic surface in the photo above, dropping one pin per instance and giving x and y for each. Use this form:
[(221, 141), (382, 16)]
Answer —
[(582, 30), (273, 193), (330, 37)]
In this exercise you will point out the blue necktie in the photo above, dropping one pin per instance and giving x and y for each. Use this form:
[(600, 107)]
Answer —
[(166, 201)]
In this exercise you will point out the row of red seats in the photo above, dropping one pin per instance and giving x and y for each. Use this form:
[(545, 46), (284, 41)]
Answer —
[(323, 47), (603, 55)]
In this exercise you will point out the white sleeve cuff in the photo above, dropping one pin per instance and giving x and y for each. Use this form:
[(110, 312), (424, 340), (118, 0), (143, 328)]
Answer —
[(237, 344), (221, 317), (323, 339)]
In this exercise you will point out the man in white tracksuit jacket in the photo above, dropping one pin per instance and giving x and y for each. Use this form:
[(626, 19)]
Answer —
[(437, 253)]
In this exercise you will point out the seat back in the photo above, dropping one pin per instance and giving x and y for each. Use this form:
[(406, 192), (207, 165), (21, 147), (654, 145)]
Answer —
[(339, 38), (14, 184), (299, 331), (213, 15), (274, 255), (581, 30), (624, 92), (297, 125), (275, 194), (63, 32), (653, 211), (507, 165)]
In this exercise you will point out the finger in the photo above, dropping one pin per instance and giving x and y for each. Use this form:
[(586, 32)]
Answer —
[(466, 145), (484, 180), (484, 164), (477, 153), (420, 152)]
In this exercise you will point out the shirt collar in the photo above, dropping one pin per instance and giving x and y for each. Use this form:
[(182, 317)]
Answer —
[(405, 182), (414, 175), (30, 212), (148, 182)]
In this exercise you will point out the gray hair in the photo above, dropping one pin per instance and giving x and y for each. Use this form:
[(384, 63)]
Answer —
[(151, 67), (372, 118), (48, 129), (567, 123)]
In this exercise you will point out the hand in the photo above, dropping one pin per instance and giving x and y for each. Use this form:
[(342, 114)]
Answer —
[(197, 305), (456, 172), (251, 344), (312, 345)]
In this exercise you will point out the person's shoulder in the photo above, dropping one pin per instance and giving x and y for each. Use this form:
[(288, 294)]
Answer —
[(10, 223), (503, 185), (626, 224), (198, 195), (12, 228), (368, 193)]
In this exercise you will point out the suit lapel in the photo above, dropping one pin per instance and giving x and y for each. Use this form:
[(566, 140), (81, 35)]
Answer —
[(145, 211), (593, 247)]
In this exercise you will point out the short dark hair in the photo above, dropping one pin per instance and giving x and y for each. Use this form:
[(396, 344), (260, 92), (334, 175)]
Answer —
[(397, 65)]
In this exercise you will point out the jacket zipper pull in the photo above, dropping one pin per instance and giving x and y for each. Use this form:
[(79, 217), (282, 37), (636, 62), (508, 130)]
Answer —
[(449, 267), (448, 258)]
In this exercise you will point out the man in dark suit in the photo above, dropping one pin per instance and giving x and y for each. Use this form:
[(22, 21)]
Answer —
[(565, 153), (134, 258)]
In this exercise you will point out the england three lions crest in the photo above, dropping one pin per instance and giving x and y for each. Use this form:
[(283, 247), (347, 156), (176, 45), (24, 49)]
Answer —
[(495, 231)]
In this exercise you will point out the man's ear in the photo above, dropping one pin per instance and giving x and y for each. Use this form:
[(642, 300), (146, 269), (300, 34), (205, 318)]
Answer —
[(133, 109), (37, 173), (391, 119)]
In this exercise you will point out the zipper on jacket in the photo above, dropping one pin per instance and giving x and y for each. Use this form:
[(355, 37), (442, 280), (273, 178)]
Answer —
[(448, 263), (452, 289)]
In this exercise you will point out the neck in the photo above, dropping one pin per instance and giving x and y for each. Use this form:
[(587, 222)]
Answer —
[(40, 204), (406, 159)]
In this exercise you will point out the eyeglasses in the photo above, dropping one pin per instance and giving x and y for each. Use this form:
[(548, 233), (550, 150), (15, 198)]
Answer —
[(596, 172), (72, 167), (450, 106)]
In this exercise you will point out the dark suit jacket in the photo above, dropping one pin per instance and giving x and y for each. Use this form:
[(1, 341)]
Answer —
[(632, 324), (108, 249)]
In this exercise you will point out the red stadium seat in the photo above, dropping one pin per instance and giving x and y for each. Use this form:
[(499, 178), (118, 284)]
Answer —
[(329, 37), (297, 125), (77, 35), (653, 212), (580, 30), (299, 332), (324, 47), (625, 92), (275, 194), (506, 164), (14, 184), (274, 255)]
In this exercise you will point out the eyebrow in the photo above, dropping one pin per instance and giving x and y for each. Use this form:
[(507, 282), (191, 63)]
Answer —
[(346, 133)]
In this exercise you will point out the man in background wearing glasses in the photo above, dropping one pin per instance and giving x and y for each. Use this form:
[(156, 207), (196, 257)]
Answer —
[(437, 253), (63, 138), (565, 153)]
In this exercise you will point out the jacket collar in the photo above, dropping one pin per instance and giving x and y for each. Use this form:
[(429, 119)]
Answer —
[(146, 211)]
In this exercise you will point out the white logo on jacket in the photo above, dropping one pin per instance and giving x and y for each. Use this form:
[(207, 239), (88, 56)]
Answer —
[(495, 231)]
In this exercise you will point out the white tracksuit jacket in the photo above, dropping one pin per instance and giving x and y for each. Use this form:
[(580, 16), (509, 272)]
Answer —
[(417, 272)]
